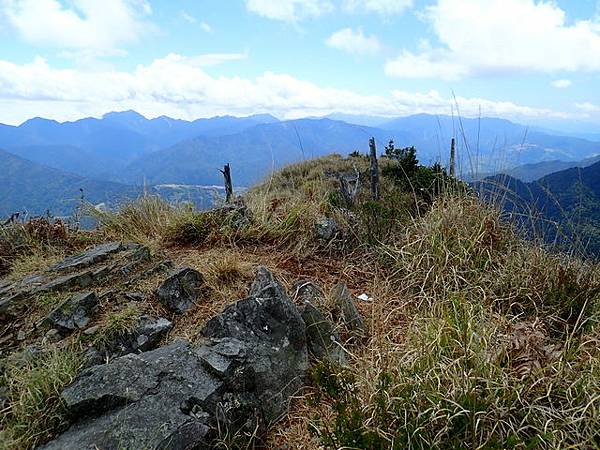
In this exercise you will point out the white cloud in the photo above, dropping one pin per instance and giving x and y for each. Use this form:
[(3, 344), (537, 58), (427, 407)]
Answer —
[(588, 108), (289, 10), (561, 84), (383, 7), (101, 26), (354, 42), (188, 17), (206, 27), (492, 37), (180, 87)]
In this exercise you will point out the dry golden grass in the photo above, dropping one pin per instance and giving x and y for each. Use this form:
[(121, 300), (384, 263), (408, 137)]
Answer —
[(477, 338)]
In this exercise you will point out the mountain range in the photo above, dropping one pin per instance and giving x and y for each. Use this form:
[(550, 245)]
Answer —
[(113, 156), (562, 208)]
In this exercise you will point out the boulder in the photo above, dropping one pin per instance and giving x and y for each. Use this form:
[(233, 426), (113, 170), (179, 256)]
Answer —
[(347, 308), (180, 291), (175, 397), (154, 400), (75, 313), (307, 291), (275, 336)]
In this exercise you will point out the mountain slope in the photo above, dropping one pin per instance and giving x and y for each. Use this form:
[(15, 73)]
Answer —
[(253, 153), (490, 143), (32, 187), (563, 207), (105, 146)]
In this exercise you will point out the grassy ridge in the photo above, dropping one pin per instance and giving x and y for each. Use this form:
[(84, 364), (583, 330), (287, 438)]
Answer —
[(477, 337)]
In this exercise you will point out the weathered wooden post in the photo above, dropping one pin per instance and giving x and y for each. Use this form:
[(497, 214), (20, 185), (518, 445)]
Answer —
[(374, 170), (453, 158), (228, 184)]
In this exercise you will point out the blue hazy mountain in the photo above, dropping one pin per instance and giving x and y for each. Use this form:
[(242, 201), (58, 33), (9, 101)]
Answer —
[(109, 144), (26, 186), (253, 153), (562, 208), (487, 144)]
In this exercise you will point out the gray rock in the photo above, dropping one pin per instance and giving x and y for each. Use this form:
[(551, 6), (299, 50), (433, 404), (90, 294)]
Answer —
[(307, 291), (253, 360), (91, 330), (323, 341), (272, 328), (75, 313), (154, 400), (78, 280), (346, 306), (88, 258), (146, 336), (53, 335), (180, 291), (326, 228)]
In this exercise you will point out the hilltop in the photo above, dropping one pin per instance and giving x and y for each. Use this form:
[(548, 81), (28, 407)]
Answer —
[(421, 319)]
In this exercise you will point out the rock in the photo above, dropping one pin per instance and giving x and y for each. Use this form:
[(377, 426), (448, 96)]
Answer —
[(91, 330), (326, 228), (135, 296), (154, 400), (323, 341), (53, 335), (21, 336), (146, 336), (308, 291), (78, 280), (75, 313), (172, 398), (135, 257), (88, 258), (180, 291), (346, 306), (275, 335)]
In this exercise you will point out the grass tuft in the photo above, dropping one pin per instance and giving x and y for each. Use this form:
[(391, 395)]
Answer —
[(34, 383)]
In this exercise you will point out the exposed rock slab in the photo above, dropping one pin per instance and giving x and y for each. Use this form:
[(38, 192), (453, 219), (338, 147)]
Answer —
[(88, 257), (144, 401), (253, 360), (180, 291), (144, 337)]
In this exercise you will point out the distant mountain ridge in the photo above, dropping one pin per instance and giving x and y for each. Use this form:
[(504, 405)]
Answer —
[(569, 198), (126, 148)]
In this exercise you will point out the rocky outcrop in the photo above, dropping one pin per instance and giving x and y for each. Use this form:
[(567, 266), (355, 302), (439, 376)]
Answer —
[(180, 291), (75, 313), (91, 267), (144, 337), (253, 360), (88, 257), (323, 340), (326, 228)]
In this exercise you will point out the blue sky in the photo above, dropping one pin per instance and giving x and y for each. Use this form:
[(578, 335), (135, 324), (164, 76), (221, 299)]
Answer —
[(536, 62)]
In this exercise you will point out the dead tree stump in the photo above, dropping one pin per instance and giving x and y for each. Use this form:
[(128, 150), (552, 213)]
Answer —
[(453, 158), (228, 184), (374, 170)]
